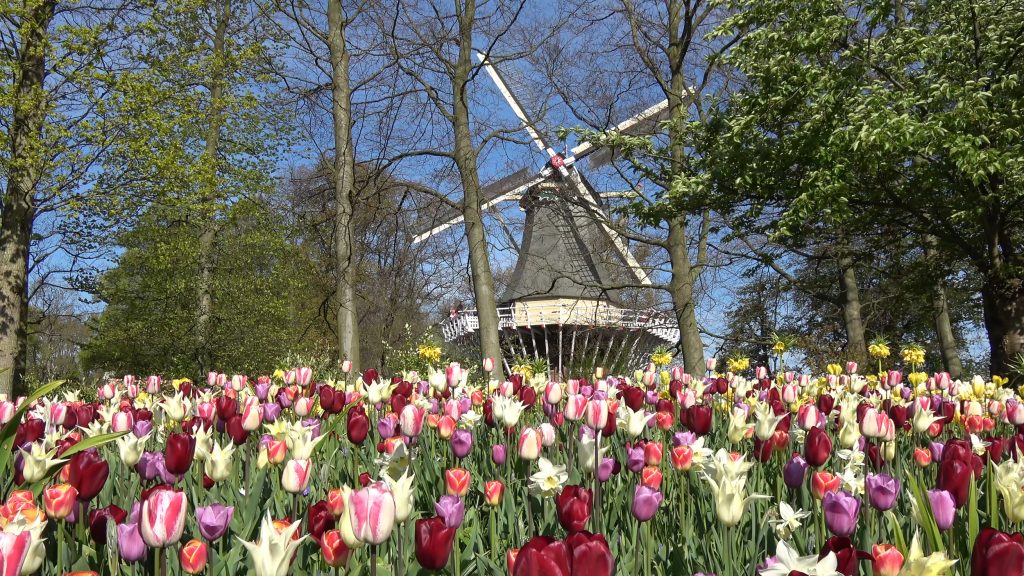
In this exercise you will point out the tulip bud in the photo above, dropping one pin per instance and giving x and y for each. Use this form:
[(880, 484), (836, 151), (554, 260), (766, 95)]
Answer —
[(456, 481), (194, 556), (823, 483), (493, 492), (295, 477), (530, 443), (886, 560), (59, 501)]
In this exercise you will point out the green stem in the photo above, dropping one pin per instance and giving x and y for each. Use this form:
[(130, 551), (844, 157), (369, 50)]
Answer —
[(636, 547)]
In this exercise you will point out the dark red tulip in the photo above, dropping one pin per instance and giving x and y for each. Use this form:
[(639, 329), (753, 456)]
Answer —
[(763, 450), (573, 506), (331, 400), (358, 425), (664, 405), (826, 403), (847, 557), (153, 490), (899, 417), (369, 375), (403, 389), (590, 555), (143, 414), (433, 542), (998, 554), (517, 382), (208, 482), (236, 431), (398, 401), (179, 452), (85, 413), (610, 426), (364, 479), (675, 388), (543, 556), (226, 407), (697, 418), (958, 464), (98, 522), (528, 395), (319, 520), (633, 397), (29, 431), (874, 456), (87, 472), (817, 447), (997, 448), (947, 411)]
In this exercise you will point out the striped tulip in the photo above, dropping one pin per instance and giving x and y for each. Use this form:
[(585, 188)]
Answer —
[(493, 492), (295, 477), (372, 513), (163, 517)]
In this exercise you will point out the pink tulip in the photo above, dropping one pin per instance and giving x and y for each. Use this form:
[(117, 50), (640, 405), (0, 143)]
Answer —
[(153, 384), (346, 366), (572, 386), (303, 376), (6, 411), (851, 367), (553, 393), (760, 372), (710, 364), (122, 422), (211, 378), (372, 513), (128, 380), (597, 414), (252, 414), (453, 374), (163, 517), (530, 442), (411, 419), (14, 549), (206, 410), (1014, 412), (488, 364), (295, 477), (239, 381)]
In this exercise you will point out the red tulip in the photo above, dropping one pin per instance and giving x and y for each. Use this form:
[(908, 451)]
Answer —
[(457, 481), (179, 452), (697, 418), (590, 555), (886, 560), (87, 472), (358, 425), (194, 556), (824, 482), (98, 521), (434, 541), (847, 557), (493, 492), (236, 430), (997, 554), (543, 556), (573, 506), (333, 547), (319, 520), (958, 464), (817, 447)]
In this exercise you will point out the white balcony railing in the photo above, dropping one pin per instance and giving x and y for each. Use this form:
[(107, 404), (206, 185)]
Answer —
[(582, 313)]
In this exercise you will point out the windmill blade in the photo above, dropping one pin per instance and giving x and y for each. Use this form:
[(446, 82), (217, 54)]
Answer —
[(644, 123), (510, 187), (588, 196), (513, 102)]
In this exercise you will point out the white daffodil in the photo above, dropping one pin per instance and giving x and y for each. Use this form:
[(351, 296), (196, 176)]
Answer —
[(788, 520), (272, 553), (548, 479), (701, 455), (469, 419), (978, 445), (397, 462), (788, 560)]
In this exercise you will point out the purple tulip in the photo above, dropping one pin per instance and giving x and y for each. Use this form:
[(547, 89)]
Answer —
[(386, 427), (142, 427), (465, 404), (214, 520), (883, 490), (313, 425), (645, 502), (498, 454), (587, 391), (943, 508), (129, 542), (937, 449), (451, 509), (148, 465), (282, 399), (423, 387), (683, 438), (794, 472), (605, 469), (462, 443), (635, 459), (651, 397), (271, 412), (262, 390), (841, 510)]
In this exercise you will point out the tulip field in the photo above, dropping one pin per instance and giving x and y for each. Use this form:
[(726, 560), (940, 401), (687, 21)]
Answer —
[(657, 472)]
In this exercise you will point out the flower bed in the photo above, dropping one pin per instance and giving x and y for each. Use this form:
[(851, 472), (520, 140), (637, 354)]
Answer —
[(775, 474)]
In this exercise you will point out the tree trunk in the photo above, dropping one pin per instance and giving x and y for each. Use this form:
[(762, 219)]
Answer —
[(940, 309), (944, 331), (683, 275), (344, 176), (681, 288), (466, 161), (24, 170), (1003, 304), (208, 236), (856, 342)]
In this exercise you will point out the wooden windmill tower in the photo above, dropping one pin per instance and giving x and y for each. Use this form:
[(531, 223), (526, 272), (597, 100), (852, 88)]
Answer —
[(555, 306)]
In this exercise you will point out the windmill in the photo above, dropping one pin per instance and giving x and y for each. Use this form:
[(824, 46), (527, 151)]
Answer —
[(556, 305)]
